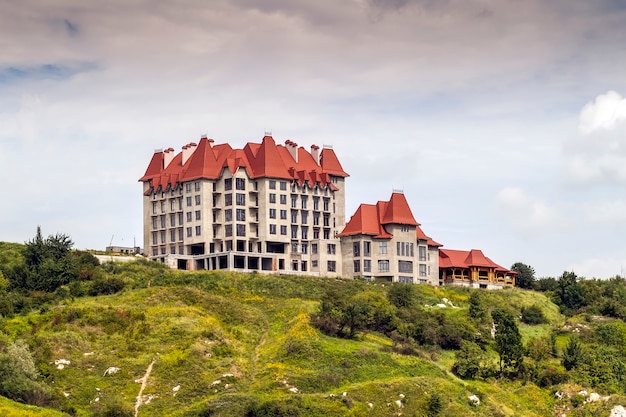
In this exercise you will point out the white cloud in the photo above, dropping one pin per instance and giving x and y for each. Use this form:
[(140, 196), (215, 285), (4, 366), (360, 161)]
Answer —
[(605, 112), (528, 215), (599, 267)]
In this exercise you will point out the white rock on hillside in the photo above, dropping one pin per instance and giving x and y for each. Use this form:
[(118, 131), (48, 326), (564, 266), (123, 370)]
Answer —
[(618, 411)]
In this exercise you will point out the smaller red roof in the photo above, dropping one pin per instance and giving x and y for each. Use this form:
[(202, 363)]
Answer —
[(451, 258)]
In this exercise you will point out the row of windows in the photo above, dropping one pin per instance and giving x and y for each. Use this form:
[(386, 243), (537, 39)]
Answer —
[(304, 231), (175, 234), (402, 248), (283, 185), (383, 266)]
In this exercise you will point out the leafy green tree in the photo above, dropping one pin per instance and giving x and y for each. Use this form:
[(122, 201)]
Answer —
[(508, 341), (49, 263), (572, 354), (569, 295), (526, 277), (546, 284), (435, 405), (477, 309), (469, 360), (402, 295), (367, 310), (18, 375)]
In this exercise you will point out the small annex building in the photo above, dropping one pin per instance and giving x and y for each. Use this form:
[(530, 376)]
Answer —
[(472, 269)]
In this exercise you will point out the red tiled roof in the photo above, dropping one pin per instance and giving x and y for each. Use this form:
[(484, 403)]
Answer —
[(370, 219), (265, 159), (398, 211), (422, 236)]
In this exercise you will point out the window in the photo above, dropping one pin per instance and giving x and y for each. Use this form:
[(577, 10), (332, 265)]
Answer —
[(188, 187), (305, 248), (422, 253), (180, 236), (404, 228), (283, 230), (228, 199), (172, 205), (197, 200), (272, 229), (272, 198), (188, 201), (305, 232), (356, 249), (304, 202), (180, 204), (326, 233), (316, 203), (198, 230), (382, 248), (294, 247), (172, 220), (189, 232), (228, 215), (326, 220), (155, 238), (241, 199), (314, 263), (154, 207), (304, 215), (272, 184), (405, 266), (228, 184), (228, 230), (332, 266), (283, 214), (294, 201), (154, 222), (283, 199), (422, 270), (367, 265), (316, 219), (383, 266), (240, 183), (180, 219), (294, 232), (272, 213), (197, 185), (173, 250), (294, 216), (331, 249), (367, 248), (316, 233), (241, 230), (326, 203), (197, 214), (405, 280), (181, 249), (314, 248), (173, 235), (162, 222), (283, 185), (241, 215), (357, 266), (162, 206)]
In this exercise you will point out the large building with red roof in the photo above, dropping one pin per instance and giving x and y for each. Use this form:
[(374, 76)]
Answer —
[(281, 208), (266, 207), (384, 241)]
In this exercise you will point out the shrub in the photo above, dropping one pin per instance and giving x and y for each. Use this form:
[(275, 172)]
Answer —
[(106, 286), (533, 315)]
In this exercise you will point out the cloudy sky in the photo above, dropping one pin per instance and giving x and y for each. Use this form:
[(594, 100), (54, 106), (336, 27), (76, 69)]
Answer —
[(503, 121)]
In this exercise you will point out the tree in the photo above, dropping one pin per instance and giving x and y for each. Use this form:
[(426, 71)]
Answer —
[(508, 341), (572, 354), (477, 308), (402, 295), (526, 277), (469, 360), (533, 315), (569, 295)]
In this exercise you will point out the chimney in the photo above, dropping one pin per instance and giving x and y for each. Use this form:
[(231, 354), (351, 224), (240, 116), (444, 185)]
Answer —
[(188, 151), (315, 153), (168, 155), (292, 147)]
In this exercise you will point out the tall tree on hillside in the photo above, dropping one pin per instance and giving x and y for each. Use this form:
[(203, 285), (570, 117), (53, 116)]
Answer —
[(569, 295), (508, 341), (526, 277)]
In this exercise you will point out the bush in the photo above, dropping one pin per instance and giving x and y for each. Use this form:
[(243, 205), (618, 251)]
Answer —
[(533, 315), (106, 286), (277, 408), (18, 376)]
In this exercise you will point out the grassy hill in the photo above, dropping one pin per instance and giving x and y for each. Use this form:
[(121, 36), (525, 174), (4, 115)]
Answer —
[(228, 344)]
